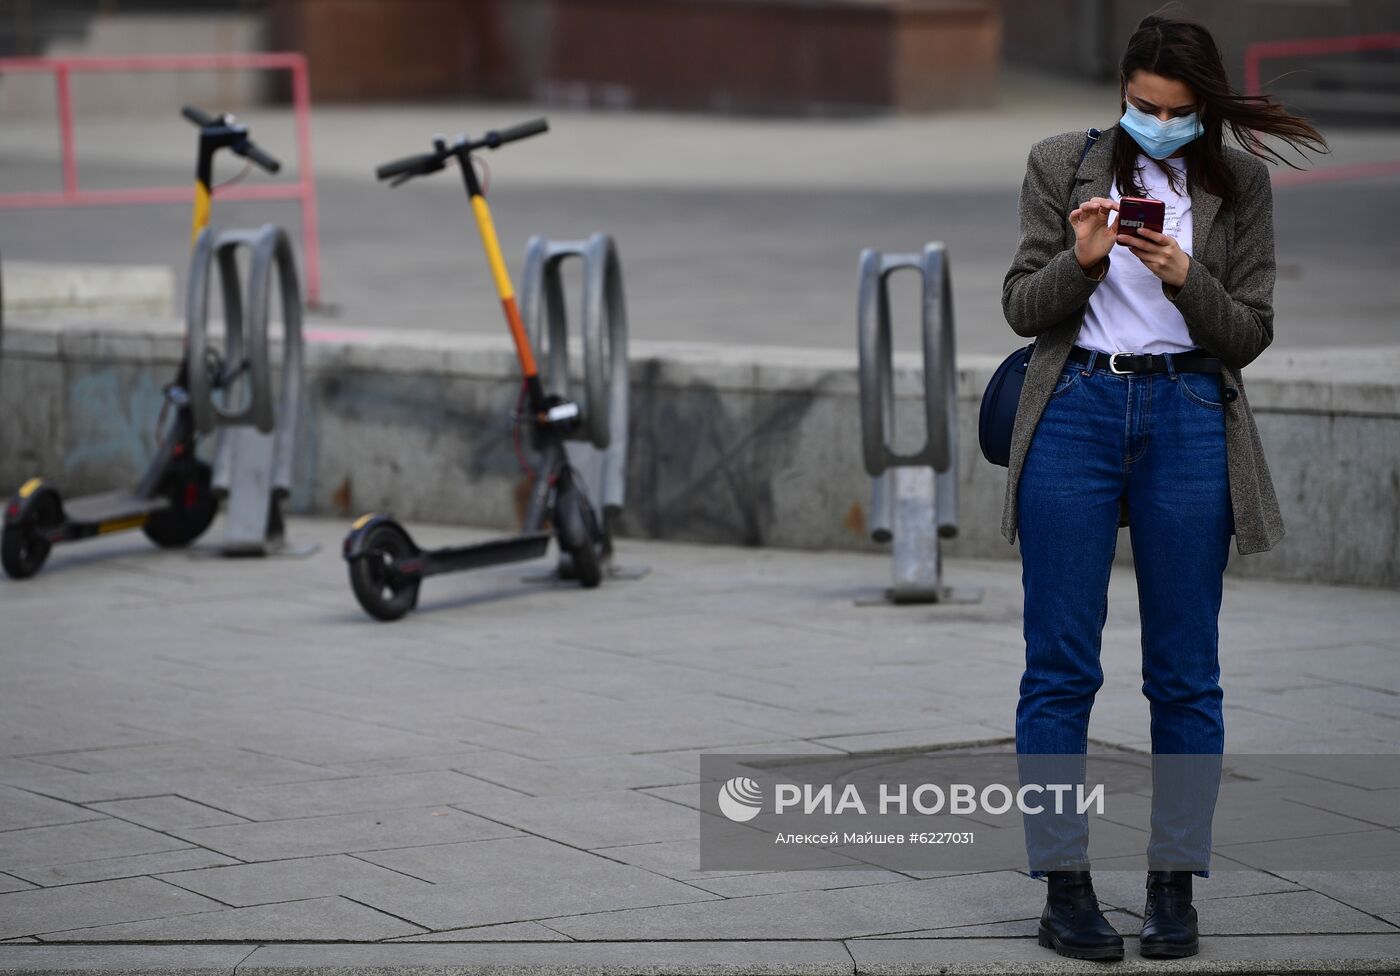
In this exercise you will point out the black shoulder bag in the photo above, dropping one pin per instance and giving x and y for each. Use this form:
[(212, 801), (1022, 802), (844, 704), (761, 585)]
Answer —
[(1003, 393)]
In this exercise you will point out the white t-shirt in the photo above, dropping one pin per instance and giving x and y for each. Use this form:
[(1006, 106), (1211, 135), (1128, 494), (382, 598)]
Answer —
[(1127, 311)]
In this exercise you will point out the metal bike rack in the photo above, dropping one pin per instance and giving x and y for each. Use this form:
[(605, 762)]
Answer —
[(602, 456), (256, 424), (914, 498)]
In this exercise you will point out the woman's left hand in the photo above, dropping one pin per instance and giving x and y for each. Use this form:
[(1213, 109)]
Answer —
[(1161, 254)]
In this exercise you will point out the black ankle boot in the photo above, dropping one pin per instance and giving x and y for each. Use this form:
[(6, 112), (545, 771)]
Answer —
[(1072, 924), (1169, 921)]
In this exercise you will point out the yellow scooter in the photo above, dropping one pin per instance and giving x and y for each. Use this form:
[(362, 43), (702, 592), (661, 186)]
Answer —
[(386, 567), (173, 503)]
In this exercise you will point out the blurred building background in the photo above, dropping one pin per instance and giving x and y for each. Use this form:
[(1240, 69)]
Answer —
[(809, 57), (1084, 39)]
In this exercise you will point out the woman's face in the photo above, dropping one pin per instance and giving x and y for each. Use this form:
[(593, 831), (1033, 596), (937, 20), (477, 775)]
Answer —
[(1166, 98)]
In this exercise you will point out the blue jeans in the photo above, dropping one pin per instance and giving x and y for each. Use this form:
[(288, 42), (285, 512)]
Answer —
[(1157, 439)]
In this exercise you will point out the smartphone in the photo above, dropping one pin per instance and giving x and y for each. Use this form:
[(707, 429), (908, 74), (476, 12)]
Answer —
[(1135, 212)]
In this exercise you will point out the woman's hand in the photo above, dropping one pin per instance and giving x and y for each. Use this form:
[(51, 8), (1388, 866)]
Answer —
[(1093, 237), (1162, 255)]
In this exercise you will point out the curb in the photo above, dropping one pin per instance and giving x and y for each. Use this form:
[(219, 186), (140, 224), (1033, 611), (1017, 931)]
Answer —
[(852, 957)]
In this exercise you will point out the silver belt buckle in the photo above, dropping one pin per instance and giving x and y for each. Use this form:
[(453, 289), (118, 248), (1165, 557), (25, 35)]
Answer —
[(1113, 364)]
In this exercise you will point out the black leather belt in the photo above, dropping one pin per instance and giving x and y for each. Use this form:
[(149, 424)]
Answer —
[(1194, 361)]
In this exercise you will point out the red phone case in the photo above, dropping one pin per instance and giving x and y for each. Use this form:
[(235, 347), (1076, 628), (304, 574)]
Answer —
[(1135, 212)]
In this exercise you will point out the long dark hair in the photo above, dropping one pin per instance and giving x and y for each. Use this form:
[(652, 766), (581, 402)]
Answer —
[(1186, 52)]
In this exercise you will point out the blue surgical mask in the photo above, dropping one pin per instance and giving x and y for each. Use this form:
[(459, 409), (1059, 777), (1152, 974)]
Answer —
[(1157, 138)]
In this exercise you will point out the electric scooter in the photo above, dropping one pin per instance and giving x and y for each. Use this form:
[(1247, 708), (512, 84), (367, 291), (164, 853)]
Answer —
[(174, 502), (386, 566)]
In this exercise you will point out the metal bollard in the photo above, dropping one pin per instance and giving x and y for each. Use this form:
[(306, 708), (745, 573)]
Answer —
[(603, 398), (914, 495), (256, 426)]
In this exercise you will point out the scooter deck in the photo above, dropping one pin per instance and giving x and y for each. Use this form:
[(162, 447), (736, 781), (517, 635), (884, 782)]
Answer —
[(514, 549), (113, 507)]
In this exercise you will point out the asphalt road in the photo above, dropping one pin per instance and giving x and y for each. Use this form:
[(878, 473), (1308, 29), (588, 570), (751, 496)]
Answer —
[(730, 265)]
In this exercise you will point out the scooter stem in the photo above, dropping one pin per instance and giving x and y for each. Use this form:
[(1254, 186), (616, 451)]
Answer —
[(200, 219), (203, 192), (503, 285), (487, 227)]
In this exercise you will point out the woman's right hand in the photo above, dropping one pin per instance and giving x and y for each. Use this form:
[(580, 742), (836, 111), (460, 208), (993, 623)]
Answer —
[(1094, 236)]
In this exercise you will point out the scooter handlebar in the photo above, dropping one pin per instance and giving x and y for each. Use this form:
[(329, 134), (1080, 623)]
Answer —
[(516, 132), (200, 118), (410, 166), (247, 150)]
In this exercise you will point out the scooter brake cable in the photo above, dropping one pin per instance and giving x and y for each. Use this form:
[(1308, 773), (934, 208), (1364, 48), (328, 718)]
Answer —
[(236, 178), (518, 416), (485, 172)]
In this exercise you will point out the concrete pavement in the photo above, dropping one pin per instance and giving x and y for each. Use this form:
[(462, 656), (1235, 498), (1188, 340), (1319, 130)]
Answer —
[(201, 751)]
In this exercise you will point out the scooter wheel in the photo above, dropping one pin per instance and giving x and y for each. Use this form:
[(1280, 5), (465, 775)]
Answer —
[(23, 547), (192, 507), (585, 559), (384, 595)]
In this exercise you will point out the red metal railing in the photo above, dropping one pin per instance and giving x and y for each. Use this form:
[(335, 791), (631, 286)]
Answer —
[(73, 195), (1302, 47)]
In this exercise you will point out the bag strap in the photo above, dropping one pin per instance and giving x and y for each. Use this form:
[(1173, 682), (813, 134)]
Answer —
[(1091, 136)]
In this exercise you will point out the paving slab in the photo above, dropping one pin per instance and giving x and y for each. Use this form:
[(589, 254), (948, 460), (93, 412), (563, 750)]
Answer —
[(1287, 913), (916, 739), (22, 809), (772, 882), (161, 812), (131, 866), (18, 738), (355, 742), (504, 932), (352, 832), (1017, 928), (32, 912), (1128, 889), (1374, 806), (293, 879), (146, 755), (96, 787), (688, 760), (518, 879), (678, 859), (10, 883), (593, 820), (34, 848), (839, 913), (1352, 851), (352, 794), (1369, 891), (1237, 824), (586, 774), (331, 919), (410, 764)]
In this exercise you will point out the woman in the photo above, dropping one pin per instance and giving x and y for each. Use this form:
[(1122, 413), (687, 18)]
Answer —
[(1134, 413)]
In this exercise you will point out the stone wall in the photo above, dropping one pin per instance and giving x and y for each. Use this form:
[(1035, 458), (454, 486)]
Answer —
[(740, 445)]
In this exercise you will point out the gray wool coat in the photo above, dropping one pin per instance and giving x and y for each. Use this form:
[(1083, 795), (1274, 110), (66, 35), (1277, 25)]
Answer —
[(1227, 302)]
